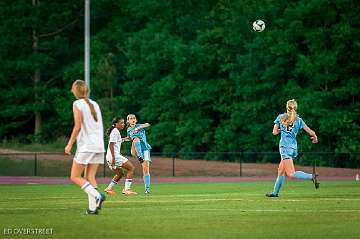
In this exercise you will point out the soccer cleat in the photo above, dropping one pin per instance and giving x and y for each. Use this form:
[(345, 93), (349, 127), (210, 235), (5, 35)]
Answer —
[(315, 180), (147, 191), (110, 191), (100, 200), (129, 192), (271, 195), (89, 212)]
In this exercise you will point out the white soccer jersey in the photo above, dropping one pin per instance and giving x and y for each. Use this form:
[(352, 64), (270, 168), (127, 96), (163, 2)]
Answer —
[(91, 135), (115, 137)]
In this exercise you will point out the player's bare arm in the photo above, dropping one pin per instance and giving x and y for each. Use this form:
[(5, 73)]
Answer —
[(75, 131), (276, 129), (126, 139), (141, 126), (312, 134), (111, 147)]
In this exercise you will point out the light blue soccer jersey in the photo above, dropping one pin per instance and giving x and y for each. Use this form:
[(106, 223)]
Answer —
[(141, 134), (288, 134)]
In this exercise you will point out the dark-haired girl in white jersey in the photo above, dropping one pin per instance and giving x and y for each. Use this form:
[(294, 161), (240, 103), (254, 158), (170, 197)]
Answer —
[(116, 161)]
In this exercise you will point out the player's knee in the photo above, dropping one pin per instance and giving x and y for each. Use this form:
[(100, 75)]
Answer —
[(117, 177), (146, 170), (136, 140), (281, 170), (73, 178), (291, 175)]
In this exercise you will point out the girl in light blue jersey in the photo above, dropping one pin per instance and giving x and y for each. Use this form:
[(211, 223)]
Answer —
[(140, 147), (288, 125)]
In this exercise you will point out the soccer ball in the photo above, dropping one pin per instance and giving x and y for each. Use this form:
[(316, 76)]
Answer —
[(259, 25)]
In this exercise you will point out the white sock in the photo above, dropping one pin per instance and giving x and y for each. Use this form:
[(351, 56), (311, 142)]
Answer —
[(128, 183), (111, 184), (89, 189), (92, 203)]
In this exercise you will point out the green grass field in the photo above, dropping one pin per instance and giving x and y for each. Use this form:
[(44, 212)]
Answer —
[(179, 210)]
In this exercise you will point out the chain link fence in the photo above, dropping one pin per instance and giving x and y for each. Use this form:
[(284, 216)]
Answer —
[(188, 164)]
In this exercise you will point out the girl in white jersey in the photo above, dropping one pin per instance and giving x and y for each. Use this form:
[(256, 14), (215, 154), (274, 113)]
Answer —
[(89, 136), (116, 161), (288, 125)]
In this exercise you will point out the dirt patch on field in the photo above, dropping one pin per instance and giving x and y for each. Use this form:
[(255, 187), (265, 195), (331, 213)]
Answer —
[(168, 166)]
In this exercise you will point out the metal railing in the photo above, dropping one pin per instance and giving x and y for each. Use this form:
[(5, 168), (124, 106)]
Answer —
[(184, 163)]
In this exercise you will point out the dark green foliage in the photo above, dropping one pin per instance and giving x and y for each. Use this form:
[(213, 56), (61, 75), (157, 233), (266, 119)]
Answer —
[(195, 70)]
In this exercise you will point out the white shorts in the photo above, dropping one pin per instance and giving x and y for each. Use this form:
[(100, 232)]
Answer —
[(89, 158), (119, 161)]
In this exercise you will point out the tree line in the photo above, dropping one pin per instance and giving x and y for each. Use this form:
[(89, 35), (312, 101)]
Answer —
[(195, 70)]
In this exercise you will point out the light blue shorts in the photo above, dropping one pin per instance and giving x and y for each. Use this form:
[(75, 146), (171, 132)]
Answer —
[(288, 153)]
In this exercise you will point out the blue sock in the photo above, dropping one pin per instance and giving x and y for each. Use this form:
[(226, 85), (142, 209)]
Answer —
[(147, 182), (278, 184), (302, 175), (139, 150)]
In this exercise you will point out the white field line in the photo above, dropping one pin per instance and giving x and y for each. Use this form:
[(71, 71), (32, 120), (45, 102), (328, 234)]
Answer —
[(241, 210), (254, 210), (40, 198), (155, 200), (146, 199)]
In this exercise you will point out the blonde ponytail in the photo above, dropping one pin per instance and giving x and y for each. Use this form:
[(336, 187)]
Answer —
[(291, 115), (81, 91), (92, 109)]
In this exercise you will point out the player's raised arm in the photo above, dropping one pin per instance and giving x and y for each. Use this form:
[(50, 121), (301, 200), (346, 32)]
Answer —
[(140, 126), (143, 126)]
